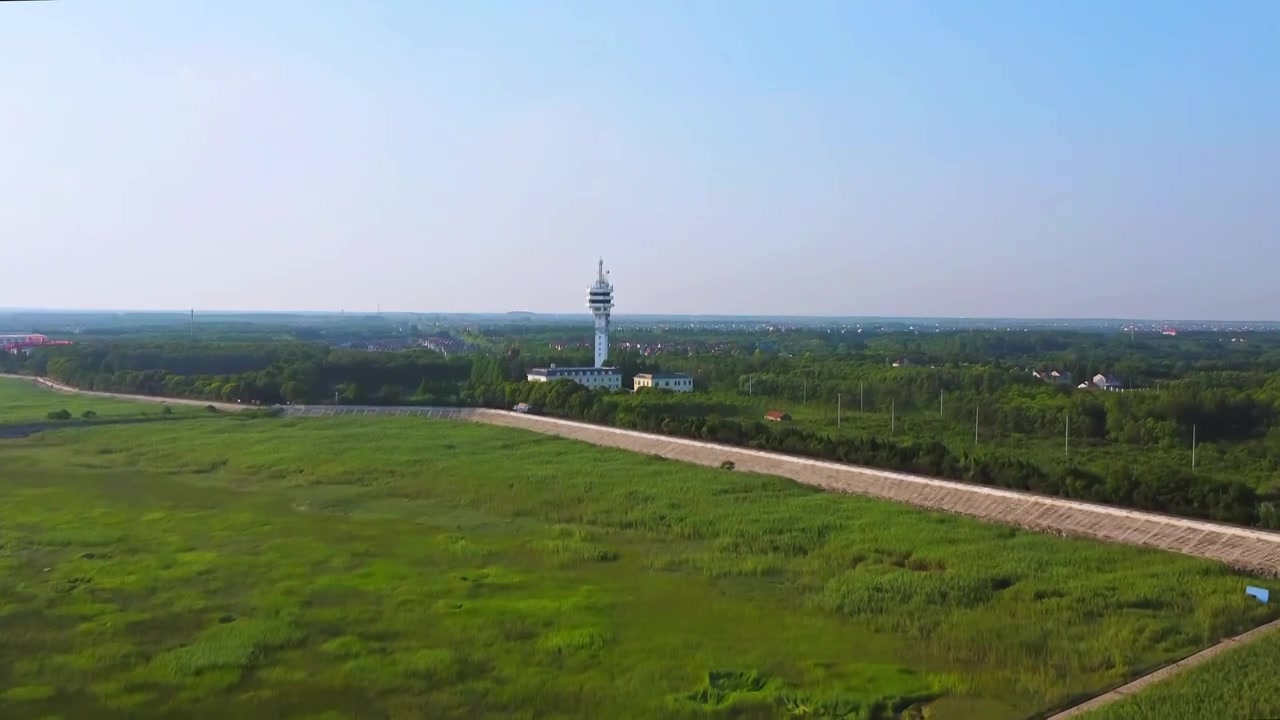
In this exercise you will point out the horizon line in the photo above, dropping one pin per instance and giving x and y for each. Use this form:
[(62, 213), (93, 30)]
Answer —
[(753, 316)]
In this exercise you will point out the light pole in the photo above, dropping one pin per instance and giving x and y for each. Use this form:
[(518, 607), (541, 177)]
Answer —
[(1193, 447)]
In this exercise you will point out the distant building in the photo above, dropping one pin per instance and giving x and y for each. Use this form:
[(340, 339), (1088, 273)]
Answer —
[(15, 343), (592, 377), (445, 345), (676, 382), (777, 416), (1054, 376), (1106, 382), (29, 338)]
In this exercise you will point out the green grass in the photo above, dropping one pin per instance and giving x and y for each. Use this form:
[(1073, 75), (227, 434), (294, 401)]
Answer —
[(1240, 683), (23, 402), (401, 567), (27, 692)]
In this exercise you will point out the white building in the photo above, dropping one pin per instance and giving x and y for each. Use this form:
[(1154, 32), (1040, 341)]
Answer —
[(594, 377), (27, 338), (676, 382), (1106, 382)]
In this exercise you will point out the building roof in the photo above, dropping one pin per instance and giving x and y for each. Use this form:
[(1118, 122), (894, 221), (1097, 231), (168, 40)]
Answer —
[(664, 376), (568, 371)]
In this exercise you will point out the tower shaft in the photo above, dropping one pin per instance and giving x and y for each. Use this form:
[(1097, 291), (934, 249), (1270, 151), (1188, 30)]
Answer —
[(602, 339)]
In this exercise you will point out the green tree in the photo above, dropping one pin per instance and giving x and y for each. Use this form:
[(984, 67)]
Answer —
[(389, 395), (295, 392)]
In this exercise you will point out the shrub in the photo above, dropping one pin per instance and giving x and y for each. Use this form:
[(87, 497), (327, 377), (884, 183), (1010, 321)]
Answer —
[(166, 410), (88, 414), (59, 415), (210, 408), (727, 465), (233, 646)]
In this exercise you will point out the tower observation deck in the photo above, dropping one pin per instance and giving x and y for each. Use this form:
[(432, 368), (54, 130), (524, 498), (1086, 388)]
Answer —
[(600, 300)]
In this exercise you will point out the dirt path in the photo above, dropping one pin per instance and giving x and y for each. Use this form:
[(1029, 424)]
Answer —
[(1168, 671)]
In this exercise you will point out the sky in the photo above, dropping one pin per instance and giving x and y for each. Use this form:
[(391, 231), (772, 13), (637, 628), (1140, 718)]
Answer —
[(1011, 159)]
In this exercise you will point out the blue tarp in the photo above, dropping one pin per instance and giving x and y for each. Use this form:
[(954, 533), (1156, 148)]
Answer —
[(1262, 594)]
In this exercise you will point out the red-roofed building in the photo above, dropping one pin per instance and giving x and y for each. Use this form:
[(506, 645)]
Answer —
[(14, 343)]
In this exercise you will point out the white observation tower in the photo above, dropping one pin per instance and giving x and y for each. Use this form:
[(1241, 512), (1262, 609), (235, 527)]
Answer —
[(597, 377), (600, 300)]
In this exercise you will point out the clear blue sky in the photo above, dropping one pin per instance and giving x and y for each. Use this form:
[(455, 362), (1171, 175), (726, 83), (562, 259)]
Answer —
[(1032, 159)]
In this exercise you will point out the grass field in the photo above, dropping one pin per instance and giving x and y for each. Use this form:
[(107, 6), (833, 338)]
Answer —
[(1241, 683), (404, 568), (23, 402)]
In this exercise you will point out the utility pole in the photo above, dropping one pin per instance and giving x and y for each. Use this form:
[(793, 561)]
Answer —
[(975, 426), (1193, 447), (1066, 438), (893, 415), (804, 391), (861, 406), (193, 323), (939, 403), (837, 410)]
